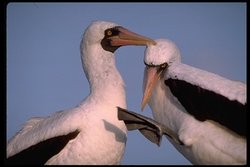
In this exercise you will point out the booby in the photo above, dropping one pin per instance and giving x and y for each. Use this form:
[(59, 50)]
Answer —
[(90, 133), (207, 112)]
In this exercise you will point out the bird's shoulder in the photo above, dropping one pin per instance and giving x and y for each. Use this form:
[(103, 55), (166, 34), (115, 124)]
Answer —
[(233, 90)]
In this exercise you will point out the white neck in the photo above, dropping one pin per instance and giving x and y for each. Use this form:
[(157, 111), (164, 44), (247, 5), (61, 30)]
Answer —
[(160, 99), (105, 81)]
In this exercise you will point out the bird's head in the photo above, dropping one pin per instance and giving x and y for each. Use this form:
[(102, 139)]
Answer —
[(111, 36), (100, 40), (157, 59)]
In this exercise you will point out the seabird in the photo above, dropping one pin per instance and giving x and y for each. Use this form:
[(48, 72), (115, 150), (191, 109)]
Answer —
[(207, 112), (90, 133)]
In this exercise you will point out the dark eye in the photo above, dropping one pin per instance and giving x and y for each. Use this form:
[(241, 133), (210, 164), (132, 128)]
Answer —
[(163, 66)]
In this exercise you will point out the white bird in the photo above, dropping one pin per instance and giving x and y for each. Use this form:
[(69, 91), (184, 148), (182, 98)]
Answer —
[(206, 111), (90, 133)]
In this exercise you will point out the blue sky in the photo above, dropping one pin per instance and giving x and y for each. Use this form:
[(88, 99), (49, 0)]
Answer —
[(44, 70)]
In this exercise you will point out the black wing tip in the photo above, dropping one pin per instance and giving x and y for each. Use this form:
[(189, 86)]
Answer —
[(120, 108), (150, 129), (120, 113), (45, 149), (159, 142)]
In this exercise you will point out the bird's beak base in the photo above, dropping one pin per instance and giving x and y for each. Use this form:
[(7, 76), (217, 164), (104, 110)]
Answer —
[(126, 37)]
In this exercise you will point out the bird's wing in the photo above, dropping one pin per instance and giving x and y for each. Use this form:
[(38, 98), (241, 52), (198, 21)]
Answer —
[(41, 138), (150, 128), (208, 96), (41, 152)]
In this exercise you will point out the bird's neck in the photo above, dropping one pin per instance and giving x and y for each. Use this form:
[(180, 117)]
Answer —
[(166, 109), (108, 86), (105, 80)]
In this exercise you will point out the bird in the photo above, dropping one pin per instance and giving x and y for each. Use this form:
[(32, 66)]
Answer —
[(89, 133), (206, 111)]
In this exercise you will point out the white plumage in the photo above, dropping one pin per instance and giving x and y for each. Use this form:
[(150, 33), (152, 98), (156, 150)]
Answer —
[(205, 110), (90, 133)]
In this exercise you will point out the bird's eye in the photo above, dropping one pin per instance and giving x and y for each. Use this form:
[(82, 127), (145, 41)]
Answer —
[(109, 32), (163, 65)]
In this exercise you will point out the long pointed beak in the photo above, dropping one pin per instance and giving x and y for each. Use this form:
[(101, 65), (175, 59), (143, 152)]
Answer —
[(126, 37), (151, 76)]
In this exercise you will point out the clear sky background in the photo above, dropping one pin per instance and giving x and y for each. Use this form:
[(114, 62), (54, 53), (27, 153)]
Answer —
[(44, 70)]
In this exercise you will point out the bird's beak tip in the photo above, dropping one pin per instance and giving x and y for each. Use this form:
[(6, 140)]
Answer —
[(142, 108), (143, 103)]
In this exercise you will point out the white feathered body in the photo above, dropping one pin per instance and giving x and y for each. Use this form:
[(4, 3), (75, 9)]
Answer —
[(102, 137), (98, 132), (204, 142)]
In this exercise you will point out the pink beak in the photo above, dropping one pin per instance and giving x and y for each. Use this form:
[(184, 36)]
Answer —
[(127, 37), (151, 76)]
